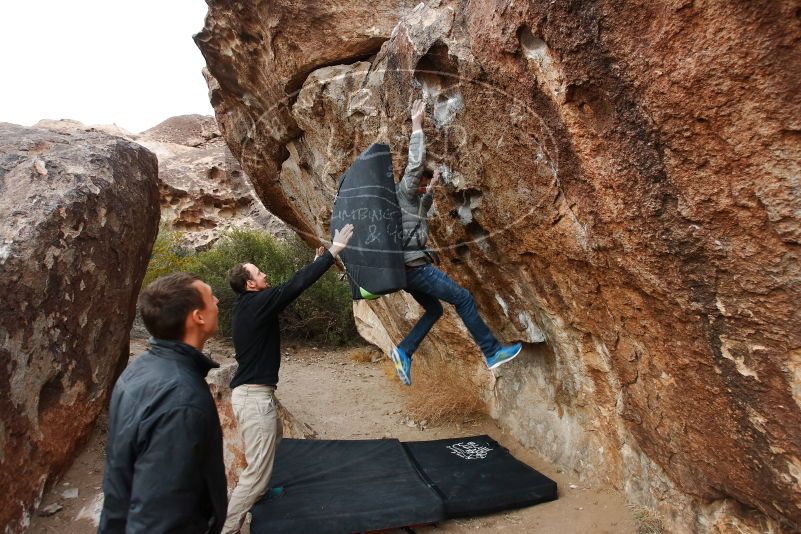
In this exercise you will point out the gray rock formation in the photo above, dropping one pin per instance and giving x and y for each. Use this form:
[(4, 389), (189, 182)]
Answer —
[(78, 217), (202, 187)]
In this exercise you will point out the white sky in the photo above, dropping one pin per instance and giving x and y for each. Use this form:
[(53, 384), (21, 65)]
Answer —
[(130, 63)]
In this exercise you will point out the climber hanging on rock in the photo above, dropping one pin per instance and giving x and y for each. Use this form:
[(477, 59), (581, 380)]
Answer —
[(425, 282)]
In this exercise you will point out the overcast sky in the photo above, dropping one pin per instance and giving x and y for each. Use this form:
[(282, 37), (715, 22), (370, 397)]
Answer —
[(133, 64)]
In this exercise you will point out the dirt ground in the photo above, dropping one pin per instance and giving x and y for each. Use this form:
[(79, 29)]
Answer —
[(344, 399)]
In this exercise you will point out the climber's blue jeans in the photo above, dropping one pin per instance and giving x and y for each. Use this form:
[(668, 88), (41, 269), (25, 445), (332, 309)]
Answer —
[(428, 285)]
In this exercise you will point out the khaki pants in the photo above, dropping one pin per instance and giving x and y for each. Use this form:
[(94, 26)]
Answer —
[(256, 411)]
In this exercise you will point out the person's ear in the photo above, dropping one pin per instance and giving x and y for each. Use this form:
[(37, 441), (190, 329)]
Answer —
[(197, 316)]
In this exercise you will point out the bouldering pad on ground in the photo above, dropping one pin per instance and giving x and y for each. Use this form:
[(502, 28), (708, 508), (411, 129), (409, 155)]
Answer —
[(333, 486)]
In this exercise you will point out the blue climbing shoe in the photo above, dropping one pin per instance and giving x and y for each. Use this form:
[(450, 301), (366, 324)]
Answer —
[(407, 366), (505, 354), (402, 364)]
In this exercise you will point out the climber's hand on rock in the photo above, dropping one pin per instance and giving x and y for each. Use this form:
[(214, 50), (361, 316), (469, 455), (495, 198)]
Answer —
[(434, 180)]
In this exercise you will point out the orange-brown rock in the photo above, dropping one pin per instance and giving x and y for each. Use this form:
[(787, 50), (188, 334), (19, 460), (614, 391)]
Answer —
[(79, 214), (622, 180)]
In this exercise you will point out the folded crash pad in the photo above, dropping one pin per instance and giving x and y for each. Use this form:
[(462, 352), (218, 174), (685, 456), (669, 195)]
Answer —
[(366, 198), (360, 485)]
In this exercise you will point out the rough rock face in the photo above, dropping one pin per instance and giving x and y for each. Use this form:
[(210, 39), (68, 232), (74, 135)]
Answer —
[(79, 214), (185, 130), (202, 187), (622, 181)]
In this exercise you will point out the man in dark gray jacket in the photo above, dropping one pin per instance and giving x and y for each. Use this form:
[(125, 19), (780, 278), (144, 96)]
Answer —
[(427, 284), (164, 467)]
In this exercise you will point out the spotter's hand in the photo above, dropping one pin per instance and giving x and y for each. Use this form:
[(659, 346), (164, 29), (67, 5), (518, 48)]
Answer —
[(341, 238)]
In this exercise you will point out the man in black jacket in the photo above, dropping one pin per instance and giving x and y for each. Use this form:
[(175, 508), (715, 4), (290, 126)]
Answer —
[(257, 342), (164, 467)]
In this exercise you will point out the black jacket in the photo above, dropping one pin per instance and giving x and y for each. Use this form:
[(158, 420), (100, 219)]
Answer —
[(256, 329), (164, 467)]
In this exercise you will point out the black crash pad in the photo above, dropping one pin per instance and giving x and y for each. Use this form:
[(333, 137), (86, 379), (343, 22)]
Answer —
[(366, 198), (477, 475), (344, 486), (340, 486)]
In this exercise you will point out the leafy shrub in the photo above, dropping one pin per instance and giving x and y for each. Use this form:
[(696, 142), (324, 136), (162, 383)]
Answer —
[(168, 256), (323, 313)]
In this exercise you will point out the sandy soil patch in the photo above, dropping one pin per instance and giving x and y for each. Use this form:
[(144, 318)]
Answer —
[(341, 396)]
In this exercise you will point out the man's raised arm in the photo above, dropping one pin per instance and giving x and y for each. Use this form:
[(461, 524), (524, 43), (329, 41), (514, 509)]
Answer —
[(273, 300), (417, 153)]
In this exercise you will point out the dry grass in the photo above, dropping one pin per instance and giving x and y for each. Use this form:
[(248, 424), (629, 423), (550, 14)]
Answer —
[(440, 392), (647, 519), (367, 354)]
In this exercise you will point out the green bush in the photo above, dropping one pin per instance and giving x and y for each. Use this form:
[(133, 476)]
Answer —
[(323, 313), (168, 256)]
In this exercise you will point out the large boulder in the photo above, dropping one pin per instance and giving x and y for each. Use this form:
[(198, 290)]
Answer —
[(622, 182), (279, 46), (202, 187), (79, 212)]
